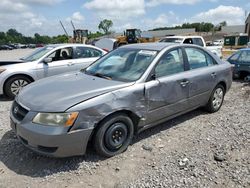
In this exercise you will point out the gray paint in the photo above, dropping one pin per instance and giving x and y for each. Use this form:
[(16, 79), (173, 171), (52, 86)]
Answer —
[(96, 98)]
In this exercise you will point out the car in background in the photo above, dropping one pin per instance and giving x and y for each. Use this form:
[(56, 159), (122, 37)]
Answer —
[(197, 40), (5, 47), (218, 42), (130, 89), (44, 62), (241, 62), (107, 44)]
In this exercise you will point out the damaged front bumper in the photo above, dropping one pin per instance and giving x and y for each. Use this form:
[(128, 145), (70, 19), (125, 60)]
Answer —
[(51, 141)]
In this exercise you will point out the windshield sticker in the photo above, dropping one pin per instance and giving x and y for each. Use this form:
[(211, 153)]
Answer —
[(147, 52)]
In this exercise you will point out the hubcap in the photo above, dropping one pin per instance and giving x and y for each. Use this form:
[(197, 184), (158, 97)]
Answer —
[(17, 85), (115, 136), (218, 98)]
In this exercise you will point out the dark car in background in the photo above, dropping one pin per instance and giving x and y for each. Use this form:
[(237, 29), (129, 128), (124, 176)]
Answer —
[(241, 62), (5, 47), (123, 93)]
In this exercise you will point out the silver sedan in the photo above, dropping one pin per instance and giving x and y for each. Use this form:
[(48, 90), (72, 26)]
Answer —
[(47, 61)]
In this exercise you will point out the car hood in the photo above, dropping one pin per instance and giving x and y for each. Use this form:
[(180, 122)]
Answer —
[(58, 93), (2, 63)]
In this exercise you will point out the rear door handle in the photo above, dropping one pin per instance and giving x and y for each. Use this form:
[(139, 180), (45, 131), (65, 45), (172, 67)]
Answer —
[(184, 83)]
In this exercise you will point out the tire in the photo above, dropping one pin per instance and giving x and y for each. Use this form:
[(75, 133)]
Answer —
[(14, 84), (114, 135), (216, 99)]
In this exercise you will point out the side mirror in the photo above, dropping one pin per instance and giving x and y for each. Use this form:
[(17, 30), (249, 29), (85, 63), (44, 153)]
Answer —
[(47, 60), (152, 77)]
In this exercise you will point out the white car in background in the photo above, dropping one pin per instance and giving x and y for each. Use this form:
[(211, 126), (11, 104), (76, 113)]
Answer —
[(43, 62), (197, 40)]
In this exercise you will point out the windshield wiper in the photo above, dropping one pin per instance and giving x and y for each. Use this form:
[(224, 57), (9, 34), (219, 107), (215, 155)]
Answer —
[(97, 74), (102, 76)]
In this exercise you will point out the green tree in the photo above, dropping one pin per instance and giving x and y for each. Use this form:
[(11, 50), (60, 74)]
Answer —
[(105, 25)]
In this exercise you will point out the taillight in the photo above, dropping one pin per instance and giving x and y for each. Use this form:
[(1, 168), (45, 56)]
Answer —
[(106, 50)]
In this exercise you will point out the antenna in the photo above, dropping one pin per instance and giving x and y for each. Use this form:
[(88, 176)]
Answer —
[(64, 29)]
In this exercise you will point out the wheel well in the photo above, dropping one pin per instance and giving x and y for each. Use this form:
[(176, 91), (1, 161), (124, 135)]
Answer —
[(224, 85), (25, 75), (134, 117)]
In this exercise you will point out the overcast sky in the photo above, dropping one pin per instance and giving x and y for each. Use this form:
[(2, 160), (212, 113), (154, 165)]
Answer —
[(42, 16)]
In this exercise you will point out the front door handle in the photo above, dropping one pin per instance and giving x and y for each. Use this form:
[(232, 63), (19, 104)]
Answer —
[(184, 83), (213, 74)]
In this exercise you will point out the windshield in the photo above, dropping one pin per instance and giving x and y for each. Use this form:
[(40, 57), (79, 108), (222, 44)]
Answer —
[(37, 54), (174, 40), (122, 64)]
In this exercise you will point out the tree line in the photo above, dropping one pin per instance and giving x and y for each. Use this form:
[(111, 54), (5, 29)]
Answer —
[(199, 26), (13, 36)]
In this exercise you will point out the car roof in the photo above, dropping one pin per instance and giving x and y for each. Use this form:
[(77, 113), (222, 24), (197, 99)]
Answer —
[(68, 44), (158, 46), (243, 49), (179, 36)]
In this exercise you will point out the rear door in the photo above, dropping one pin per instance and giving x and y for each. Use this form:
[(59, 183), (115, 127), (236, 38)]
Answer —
[(84, 56), (167, 94), (62, 61), (244, 62), (202, 74)]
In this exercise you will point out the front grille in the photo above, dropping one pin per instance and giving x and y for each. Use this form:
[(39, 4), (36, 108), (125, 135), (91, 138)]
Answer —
[(18, 111)]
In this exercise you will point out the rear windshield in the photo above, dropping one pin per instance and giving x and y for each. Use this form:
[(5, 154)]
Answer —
[(173, 40)]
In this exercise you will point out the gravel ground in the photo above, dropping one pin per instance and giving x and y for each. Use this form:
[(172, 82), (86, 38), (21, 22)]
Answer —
[(194, 150)]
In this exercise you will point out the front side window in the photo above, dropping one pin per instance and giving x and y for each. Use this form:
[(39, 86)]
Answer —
[(86, 52), (170, 63), (122, 64), (198, 58), (188, 41), (62, 54), (245, 57)]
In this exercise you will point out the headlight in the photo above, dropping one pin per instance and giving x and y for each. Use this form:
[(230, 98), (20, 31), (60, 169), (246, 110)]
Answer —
[(56, 119), (1, 70)]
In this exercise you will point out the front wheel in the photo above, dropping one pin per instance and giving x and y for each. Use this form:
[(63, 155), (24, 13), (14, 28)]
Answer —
[(114, 135), (13, 85), (216, 99)]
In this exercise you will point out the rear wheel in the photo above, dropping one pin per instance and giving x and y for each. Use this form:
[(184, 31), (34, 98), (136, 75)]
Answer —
[(13, 85), (114, 135), (216, 99)]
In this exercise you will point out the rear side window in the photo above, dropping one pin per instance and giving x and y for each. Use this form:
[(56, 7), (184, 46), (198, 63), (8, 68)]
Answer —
[(170, 63), (198, 42), (198, 58), (85, 52), (245, 57)]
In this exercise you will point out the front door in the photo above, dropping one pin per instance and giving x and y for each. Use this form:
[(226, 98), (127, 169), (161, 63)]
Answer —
[(62, 61), (168, 93)]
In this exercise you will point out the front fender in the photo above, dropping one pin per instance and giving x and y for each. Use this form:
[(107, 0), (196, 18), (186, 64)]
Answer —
[(92, 111)]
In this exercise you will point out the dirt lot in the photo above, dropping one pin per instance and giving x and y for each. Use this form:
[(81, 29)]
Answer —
[(14, 54), (195, 150)]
